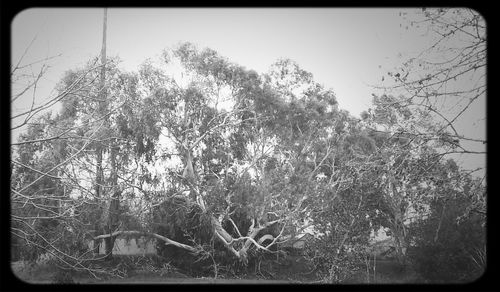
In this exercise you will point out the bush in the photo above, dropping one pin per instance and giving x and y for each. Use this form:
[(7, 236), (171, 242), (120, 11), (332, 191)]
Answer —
[(457, 254)]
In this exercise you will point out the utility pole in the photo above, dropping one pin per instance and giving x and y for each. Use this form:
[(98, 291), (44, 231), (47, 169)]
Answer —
[(110, 214), (99, 147)]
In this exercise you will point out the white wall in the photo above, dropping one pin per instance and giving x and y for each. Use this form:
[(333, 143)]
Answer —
[(131, 246)]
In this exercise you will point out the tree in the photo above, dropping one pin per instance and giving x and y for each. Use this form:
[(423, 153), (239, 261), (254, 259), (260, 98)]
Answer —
[(43, 221), (432, 94), (257, 120), (57, 152), (410, 169)]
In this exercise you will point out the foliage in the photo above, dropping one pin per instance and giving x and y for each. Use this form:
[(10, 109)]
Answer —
[(448, 247)]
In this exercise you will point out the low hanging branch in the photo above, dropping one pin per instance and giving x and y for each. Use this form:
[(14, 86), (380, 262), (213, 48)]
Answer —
[(241, 254), (157, 236)]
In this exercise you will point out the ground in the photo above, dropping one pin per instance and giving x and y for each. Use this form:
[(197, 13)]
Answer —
[(46, 275), (385, 271), (291, 270)]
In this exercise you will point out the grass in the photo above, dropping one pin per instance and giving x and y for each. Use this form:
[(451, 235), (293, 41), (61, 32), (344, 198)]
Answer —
[(386, 271), (293, 269)]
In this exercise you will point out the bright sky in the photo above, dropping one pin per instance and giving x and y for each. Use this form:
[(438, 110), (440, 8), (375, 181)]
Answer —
[(345, 49)]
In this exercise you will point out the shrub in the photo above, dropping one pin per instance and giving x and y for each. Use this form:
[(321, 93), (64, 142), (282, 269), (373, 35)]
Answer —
[(457, 253)]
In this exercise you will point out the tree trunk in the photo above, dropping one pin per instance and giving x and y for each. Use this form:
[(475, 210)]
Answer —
[(398, 227), (436, 236), (109, 242), (400, 242), (98, 195)]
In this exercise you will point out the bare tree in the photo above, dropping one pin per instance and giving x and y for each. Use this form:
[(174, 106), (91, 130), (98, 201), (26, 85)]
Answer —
[(445, 83)]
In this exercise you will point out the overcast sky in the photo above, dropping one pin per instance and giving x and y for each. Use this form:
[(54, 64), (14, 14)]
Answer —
[(347, 50)]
